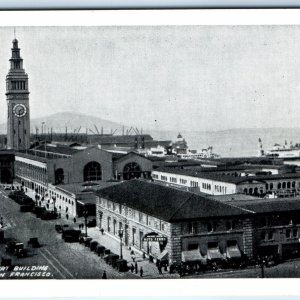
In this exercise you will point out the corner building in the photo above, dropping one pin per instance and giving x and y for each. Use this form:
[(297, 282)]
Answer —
[(190, 223)]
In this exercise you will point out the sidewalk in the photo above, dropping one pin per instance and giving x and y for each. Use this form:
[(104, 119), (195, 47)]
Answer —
[(149, 269)]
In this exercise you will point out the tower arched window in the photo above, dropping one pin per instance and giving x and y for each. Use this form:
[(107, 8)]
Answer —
[(92, 171)]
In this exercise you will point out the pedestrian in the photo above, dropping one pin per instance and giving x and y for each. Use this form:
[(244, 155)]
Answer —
[(104, 275), (141, 272), (133, 257), (132, 268), (67, 216), (74, 220), (136, 267), (102, 231), (159, 268), (144, 255)]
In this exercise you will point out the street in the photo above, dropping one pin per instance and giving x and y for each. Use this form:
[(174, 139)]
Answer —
[(64, 260)]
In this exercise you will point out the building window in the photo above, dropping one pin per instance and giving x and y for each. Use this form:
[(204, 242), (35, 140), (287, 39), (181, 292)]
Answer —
[(120, 208), (271, 235), (295, 232), (59, 176), (230, 225), (262, 235), (211, 226), (192, 228), (288, 233), (108, 224), (92, 171), (193, 247), (140, 217)]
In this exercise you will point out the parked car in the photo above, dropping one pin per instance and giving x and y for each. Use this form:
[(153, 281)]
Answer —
[(27, 208), (10, 246), (20, 251), (99, 250), (111, 259), (121, 265), (71, 235), (87, 241), (60, 228), (48, 215), (93, 245), (34, 242)]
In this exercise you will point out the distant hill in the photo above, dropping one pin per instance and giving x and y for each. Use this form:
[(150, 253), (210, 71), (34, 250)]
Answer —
[(59, 121), (230, 142)]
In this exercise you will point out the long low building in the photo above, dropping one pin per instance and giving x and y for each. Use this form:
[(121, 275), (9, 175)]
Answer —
[(213, 183), (163, 221)]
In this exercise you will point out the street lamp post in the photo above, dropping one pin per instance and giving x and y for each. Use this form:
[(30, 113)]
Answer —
[(85, 215), (121, 236)]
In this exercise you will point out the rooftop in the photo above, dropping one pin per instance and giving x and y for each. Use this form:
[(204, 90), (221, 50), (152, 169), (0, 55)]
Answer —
[(269, 205), (77, 188), (167, 203), (226, 178)]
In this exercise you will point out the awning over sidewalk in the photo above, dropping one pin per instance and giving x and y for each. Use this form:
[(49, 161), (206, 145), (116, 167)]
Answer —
[(214, 253), (233, 252), (192, 256), (163, 256)]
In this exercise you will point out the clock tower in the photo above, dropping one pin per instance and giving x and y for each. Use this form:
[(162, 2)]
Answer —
[(17, 96)]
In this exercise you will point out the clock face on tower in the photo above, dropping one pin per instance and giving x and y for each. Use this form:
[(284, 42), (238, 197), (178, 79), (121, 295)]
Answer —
[(19, 110)]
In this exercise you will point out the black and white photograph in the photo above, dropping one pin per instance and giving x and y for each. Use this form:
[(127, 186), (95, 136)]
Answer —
[(149, 152)]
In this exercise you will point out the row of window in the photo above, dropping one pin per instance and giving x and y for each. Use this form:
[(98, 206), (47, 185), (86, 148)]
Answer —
[(131, 213), (183, 181), (195, 227), (18, 85), (194, 183), (220, 189), (212, 245), (59, 196), (173, 179), (206, 186), (269, 236)]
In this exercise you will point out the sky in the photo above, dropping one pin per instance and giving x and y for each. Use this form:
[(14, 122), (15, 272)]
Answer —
[(202, 78)]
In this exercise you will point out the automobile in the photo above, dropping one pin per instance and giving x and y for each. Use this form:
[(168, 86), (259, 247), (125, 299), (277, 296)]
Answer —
[(91, 223), (38, 211), (34, 242), (21, 253), (99, 250), (7, 188), (121, 265), (5, 262), (26, 208), (87, 241), (48, 215), (111, 259), (10, 246), (71, 235), (60, 228), (93, 245)]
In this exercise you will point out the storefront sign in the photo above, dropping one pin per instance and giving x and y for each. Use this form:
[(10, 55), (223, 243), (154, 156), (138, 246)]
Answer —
[(155, 238)]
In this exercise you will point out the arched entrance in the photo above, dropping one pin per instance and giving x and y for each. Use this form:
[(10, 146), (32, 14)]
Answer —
[(132, 170), (6, 176), (59, 176), (92, 171)]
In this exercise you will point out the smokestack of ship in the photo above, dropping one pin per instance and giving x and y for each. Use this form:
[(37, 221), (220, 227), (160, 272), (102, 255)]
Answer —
[(261, 151)]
